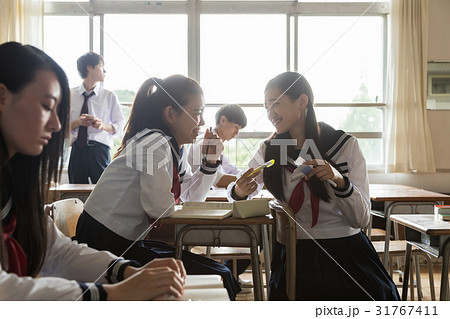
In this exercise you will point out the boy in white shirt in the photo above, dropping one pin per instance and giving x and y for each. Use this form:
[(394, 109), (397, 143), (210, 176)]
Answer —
[(96, 119)]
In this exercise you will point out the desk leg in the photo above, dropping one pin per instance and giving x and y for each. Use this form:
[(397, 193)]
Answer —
[(406, 273), (256, 265), (267, 258), (387, 237), (444, 275)]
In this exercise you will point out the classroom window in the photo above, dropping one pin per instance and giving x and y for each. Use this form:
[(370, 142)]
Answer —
[(66, 48), (233, 49), (239, 54), (342, 58), (138, 47)]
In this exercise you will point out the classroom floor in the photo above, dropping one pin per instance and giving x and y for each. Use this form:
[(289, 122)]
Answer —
[(247, 295)]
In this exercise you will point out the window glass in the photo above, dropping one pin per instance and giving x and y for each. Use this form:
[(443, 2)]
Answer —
[(342, 58), (138, 47), (65, 48), (351, 119), (239, 54)]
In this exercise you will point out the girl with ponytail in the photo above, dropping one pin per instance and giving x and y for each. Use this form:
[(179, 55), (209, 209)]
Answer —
[(150, 173), (335, 259)]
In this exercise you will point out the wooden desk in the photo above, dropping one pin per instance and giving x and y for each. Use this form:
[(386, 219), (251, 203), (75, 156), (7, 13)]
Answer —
[(400, 195), (431, 235), (228, 232), (80, 191)]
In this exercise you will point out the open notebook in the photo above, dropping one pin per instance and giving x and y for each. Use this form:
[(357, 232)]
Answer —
[(203, 287), (220, 210)]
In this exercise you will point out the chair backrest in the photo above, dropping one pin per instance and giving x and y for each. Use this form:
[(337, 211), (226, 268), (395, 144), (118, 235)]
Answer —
[(286, 234), (65, 214)]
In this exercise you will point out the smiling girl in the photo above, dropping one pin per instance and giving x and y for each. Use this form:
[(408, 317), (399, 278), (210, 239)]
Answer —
[(335, 259), (150, 173)]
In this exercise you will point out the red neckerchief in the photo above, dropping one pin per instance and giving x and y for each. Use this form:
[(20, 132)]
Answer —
[(176, 185), (298, 196), (17, 260)]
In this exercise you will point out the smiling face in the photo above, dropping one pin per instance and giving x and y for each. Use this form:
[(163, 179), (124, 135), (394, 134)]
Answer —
[(185, 125), (284, 113), (29, 117)]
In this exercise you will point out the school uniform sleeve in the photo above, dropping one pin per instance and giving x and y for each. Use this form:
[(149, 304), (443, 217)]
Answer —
[(155, 177), (13, 287), (68, 259), (195, 185), (116, 117), (257, 160), (64, 259), (353, 200)]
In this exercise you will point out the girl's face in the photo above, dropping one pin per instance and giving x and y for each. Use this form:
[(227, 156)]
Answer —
[(284, 113), (29, 117), (185, 125)]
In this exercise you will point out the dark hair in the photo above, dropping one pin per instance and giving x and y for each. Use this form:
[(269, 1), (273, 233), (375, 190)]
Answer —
[(27, 178), (293, 85), (233, 113), (90, 58), (151, 100)]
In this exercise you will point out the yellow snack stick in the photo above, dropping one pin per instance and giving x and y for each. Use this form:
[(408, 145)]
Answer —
[(258, 169)]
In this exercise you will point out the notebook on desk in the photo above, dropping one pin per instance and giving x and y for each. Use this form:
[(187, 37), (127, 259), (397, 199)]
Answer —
[(206, 210), (203, 287), (221, 210)]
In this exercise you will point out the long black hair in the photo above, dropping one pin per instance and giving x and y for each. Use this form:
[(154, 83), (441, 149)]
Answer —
[(151, 100), (27, 178), (293, 85)]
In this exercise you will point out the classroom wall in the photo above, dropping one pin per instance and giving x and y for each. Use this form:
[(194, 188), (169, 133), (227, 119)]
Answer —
[(439, 30)]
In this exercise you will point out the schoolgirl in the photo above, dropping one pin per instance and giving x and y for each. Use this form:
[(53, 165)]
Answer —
[(150, 173), (34, 109), (335, 260)]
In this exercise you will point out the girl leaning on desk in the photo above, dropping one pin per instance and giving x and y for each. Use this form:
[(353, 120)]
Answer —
[(34, 109), (150, 173), (335, 260)]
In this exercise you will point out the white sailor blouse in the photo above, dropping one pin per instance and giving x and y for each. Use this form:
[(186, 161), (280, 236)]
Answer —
[(348, 209), (136, 188)]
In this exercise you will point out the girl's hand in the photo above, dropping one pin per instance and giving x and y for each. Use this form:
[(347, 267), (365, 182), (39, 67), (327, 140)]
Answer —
[(246, 184), (148, 284), (212, 147), (324, 171), (172, 263)]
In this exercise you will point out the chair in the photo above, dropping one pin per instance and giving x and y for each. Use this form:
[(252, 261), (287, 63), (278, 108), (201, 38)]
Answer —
[(65, 214), (397, 248), (286, 234)]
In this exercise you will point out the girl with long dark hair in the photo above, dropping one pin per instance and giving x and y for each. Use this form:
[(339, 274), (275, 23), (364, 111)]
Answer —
[(335, 259), (34, 108), (150, 173)]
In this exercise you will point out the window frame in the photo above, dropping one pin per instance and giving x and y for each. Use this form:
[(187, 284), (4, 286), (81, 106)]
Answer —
[(195, 8)]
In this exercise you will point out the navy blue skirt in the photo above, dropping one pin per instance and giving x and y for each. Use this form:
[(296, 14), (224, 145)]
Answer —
[(348, 269), (97, 236)]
